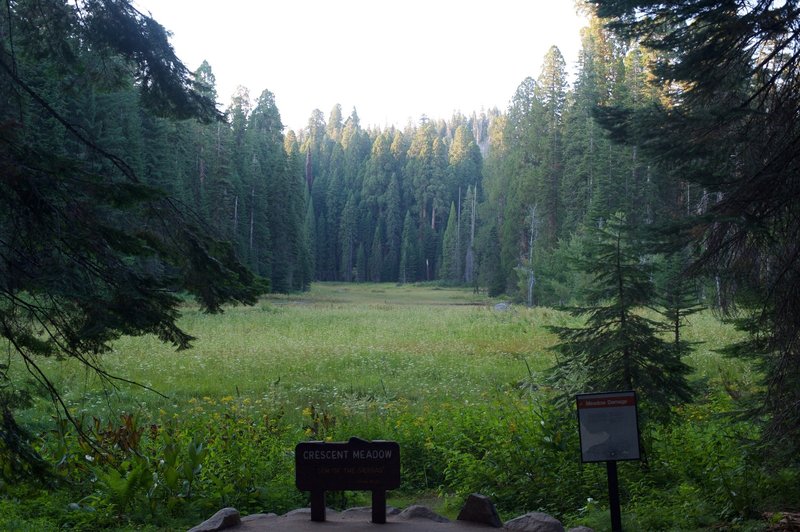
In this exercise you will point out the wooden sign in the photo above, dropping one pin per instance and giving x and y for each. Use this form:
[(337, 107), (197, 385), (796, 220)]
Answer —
[(357, 464)]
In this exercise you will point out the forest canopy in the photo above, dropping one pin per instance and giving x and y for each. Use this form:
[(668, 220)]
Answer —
[(91, 246)]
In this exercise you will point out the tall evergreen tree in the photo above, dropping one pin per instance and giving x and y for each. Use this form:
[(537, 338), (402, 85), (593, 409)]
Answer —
[(451, 258), (619, 348), (376, 256), (409, 255), (551, 92), (347, 237), (394, 230), (732, 128), (88, 250)]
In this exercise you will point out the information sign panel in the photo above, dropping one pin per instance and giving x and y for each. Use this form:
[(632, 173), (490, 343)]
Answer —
[(609, 426), (353, 465)]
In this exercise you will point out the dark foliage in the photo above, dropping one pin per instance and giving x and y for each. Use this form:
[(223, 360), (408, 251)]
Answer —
[(619, 348), (732, 127), (88, 252)]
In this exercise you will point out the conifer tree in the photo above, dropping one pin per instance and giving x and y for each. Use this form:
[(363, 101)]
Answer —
[(394, 230), (732, 129), (376, 256), (491, 270), (451, 259), (677, 298), (619, 348), (347, 239), (89, 249), (408, 252)]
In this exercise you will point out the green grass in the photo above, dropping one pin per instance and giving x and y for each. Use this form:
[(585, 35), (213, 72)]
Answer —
[(417, 343), (439, 370)]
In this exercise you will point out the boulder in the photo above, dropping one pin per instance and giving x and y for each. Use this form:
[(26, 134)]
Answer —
[(259, 517), (535, 522), (480, 509), (416, 511), (307, 511), (502, 307), (367, 510), (225, 518)]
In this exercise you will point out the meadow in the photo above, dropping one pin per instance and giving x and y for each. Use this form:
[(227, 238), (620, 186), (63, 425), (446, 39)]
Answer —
[(460, 385)]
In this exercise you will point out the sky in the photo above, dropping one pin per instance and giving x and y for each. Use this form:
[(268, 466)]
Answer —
[(391, 61)]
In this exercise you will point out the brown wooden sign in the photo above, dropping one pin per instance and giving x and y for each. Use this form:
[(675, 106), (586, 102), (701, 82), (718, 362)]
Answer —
[(357, 464)]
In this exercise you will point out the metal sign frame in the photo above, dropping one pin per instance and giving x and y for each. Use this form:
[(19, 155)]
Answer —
[(608, 426)]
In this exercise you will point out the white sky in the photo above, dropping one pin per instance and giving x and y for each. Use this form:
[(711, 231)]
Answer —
[(391, 61)]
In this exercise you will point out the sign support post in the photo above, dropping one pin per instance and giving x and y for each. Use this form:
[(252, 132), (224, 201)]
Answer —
[(613, 496), (318, 505), (609, 432), (378, 507)]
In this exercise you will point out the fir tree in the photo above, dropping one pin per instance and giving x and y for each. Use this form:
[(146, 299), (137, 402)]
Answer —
[(408, 252), (89, 251), (732, 129), (451, 259), (376, 256), (677, 298), (619, 348)]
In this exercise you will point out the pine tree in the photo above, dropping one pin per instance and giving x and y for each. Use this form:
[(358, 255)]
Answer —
[(394, 231), (91, 250), (361, 264), (376, 256), (551, 93), (619, 348), (451, 258), (732, 129), (677, 298), (491, 270), (409, 255), (347, 239)]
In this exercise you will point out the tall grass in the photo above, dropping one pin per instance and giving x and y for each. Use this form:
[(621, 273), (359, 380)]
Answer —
[(420, 344), (456, 381)]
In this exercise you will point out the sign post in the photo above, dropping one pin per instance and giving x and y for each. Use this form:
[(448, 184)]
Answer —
[(353, 465), (609, 432)]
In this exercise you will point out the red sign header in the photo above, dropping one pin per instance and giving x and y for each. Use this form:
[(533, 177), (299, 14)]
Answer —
[(611, 401)]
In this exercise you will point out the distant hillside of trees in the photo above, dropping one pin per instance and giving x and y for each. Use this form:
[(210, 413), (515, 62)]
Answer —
[(498, 199)]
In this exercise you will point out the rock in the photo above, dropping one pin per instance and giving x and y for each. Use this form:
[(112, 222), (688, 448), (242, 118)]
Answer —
[(225, 518), (357, 510), (480, 509), (535, 522), (367, 510), (257, 517), (416, 511), (502, 307), (581, 529), (300, 511), (307, 511)]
